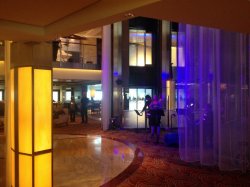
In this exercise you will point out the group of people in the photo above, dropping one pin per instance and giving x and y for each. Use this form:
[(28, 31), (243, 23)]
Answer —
[(154, 111), (84, 108), (152, 107)]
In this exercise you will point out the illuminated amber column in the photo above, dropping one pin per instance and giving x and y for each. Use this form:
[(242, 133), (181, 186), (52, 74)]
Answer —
[(31, 119)]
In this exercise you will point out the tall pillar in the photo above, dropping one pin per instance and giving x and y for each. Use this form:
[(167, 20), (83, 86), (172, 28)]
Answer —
[(31, 114), (106, 76), (166, 60), (117, 69), (7, 110)]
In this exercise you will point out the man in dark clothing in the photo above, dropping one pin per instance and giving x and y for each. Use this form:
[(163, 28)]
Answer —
[(148, 100), (84, 108), (72, 109)]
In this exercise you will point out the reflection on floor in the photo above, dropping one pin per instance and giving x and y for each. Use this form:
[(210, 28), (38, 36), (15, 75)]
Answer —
[(88, 160)]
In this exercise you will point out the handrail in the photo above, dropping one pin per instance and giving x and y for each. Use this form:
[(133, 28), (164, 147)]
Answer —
[(76, 65)]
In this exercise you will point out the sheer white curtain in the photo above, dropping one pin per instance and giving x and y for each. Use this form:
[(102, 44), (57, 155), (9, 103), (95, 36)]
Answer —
[(213, 97)]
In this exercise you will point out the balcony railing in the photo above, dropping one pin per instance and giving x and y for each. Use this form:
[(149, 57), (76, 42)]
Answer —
[(76, 65)]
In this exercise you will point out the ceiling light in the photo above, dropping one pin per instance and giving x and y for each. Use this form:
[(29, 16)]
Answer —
[(129, 15)]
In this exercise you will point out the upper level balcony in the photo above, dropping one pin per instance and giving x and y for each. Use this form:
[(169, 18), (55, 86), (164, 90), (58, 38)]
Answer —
[(77, 52), (77, 65)]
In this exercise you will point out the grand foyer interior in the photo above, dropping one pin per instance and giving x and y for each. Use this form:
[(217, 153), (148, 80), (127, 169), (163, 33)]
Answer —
[(24, 26)]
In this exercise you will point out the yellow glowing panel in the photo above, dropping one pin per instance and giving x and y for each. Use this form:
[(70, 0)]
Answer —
[(132, 55), (168, 88), (43, 170), (92, 92), (25, 171), (12, 168), (174, 56), (42, 109), (25, 109), (148, 55), (140, 55), (2, 67), (132, 36), (12, 121)]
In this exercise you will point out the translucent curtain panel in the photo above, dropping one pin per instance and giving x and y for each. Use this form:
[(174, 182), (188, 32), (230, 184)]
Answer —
[(213, 97)]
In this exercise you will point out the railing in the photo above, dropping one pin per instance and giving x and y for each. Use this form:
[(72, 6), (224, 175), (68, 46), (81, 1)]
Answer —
[(76, 65)]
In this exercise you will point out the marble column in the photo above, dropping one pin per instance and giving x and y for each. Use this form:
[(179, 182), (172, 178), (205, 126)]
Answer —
[(106, 76), (166, 59), (31, 114), (117, 69)]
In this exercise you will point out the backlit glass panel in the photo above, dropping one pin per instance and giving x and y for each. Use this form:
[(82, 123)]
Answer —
[(42, 109), (43, 175), (25, 171), (25, 109), (140, 48)]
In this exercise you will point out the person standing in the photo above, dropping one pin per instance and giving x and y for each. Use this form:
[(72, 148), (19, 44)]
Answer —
[(72, 109), (148, 100), (156, 112), (147, 103), (84, 108)]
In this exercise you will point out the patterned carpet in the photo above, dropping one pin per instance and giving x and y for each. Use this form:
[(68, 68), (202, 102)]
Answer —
[(160, 165)]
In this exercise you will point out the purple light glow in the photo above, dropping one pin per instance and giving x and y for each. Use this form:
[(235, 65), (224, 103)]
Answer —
[(116, 151), (116, 74), (123, 156)]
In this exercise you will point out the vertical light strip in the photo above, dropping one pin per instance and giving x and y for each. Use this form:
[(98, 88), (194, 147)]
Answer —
[(168, 88), (140, 55), (42, 109), (25, 110), (148, 48), (12, 158), (12, 99), (12, 126)]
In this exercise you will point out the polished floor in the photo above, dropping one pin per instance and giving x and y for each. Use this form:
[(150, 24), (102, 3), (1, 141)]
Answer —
[(148, 164), (85, 161), (88, 160)]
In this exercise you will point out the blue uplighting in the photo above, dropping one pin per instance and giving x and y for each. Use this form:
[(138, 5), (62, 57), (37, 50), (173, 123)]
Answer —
[(165, 76), (116, 74)]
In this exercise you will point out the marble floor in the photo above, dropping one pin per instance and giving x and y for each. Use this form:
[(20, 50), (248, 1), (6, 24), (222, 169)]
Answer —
[(80, 160), (88, 160)]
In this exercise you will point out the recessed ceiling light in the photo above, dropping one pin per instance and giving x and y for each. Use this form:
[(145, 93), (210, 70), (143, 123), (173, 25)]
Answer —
[(129, 15)]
